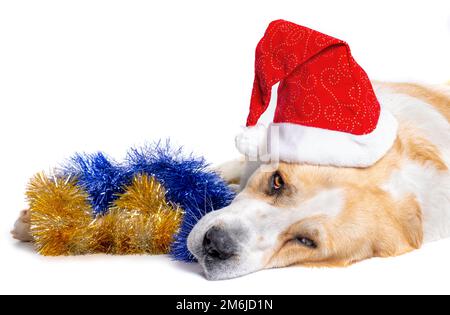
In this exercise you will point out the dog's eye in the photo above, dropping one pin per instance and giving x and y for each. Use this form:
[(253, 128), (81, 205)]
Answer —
[(276, 183), (307, 242)]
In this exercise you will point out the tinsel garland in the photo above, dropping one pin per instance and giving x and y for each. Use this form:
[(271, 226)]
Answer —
[(145, 205), (189, 182), (60, 212)]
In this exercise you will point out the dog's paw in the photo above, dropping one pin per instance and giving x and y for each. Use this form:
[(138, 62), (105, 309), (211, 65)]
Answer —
[(22, 227)]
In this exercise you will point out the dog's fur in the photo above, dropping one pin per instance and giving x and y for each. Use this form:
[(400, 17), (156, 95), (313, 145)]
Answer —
[(351, 214)]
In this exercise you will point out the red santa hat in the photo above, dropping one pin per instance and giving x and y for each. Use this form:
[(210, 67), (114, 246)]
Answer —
[(327, 112)]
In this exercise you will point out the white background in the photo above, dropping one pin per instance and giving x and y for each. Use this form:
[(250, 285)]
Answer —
[(105, 75)]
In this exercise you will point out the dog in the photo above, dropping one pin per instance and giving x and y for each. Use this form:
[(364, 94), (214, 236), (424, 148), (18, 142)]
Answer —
[(300, 214), (325, 216)]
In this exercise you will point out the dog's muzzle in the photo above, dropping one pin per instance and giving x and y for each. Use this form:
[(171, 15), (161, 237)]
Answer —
[(223, 242)]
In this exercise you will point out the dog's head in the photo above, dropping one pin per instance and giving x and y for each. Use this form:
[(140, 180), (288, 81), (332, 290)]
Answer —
[(302, 214)]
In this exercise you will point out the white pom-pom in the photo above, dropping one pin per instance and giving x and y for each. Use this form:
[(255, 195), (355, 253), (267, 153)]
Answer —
[(252, 140)]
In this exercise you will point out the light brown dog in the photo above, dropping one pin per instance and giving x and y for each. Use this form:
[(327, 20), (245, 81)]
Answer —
[(334, 216)]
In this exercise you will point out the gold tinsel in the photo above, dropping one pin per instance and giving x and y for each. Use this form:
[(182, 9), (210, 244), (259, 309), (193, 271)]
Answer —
[(139, 222), (60, 216)]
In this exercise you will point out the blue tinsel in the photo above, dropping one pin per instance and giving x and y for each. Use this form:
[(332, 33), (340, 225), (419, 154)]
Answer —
[(188, 183), (101, 177), (187, 180)]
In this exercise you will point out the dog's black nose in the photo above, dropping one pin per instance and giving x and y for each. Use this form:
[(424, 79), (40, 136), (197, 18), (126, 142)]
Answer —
[(217, 243)]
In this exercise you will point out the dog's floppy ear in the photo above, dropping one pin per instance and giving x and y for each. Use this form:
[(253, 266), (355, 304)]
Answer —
[(405, 231)]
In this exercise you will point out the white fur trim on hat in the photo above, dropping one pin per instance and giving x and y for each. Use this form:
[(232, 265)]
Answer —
[(302, 144)]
